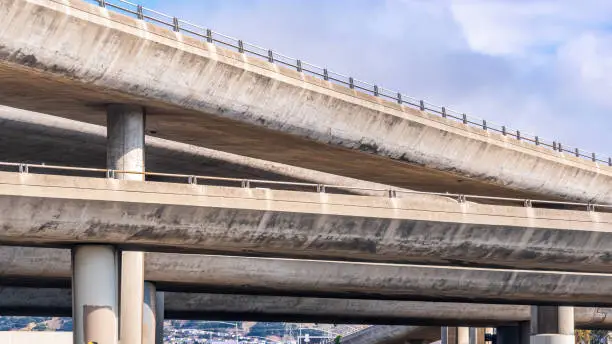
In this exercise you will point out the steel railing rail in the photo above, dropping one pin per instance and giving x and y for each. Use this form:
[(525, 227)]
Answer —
[(211, 36), (320, 188)]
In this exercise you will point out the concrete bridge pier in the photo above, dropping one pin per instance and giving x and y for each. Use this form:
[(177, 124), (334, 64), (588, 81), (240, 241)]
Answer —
[(125, 152), (152, 315), (552, 325), (455, 335), (95, 297), (514, 334), (477, 335)]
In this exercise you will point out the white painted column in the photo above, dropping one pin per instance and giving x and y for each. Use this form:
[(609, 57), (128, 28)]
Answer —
[(477, 335), (455, 335), (552, 325), (125, 152), (95, 295), (149, 308)]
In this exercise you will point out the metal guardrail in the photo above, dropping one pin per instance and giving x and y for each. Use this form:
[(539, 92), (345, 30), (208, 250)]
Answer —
[(320, 188), (187, 28)]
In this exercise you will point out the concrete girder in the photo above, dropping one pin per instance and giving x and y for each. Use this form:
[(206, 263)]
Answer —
[(59, 210), (266, 276), (31, 301), (30, 137), (47, 66)]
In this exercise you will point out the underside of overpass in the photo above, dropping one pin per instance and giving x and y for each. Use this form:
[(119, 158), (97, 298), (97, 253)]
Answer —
[(230, 102)]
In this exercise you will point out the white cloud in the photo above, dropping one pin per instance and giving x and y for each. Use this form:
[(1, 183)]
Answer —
[(586, 66), (521, 27)]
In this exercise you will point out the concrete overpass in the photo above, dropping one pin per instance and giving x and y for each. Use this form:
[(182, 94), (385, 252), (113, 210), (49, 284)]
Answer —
[(54, 302), (31, 137), (201, 94), (328, 279), (417, 228)]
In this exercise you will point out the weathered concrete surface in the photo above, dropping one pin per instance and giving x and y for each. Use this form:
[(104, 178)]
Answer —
[(286, 277), (321, 310), (385, 334), (30, 301), (59, 210), (211, 97), (31, 137)]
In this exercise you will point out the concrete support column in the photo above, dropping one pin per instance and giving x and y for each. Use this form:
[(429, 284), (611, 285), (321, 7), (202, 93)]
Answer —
[(477, 335), (149, 308), (159, 318), (455, 335), (153, 315), (125, 152), (552, 325), (95, 299)]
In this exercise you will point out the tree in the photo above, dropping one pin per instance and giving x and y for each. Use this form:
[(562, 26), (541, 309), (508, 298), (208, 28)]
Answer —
[(583, 336), (337, 339)]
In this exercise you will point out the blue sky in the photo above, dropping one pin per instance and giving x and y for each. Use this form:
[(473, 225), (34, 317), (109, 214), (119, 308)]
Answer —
[(543, 66)]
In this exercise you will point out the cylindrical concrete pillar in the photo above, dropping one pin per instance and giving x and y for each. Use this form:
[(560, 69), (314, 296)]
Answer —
[(149, 308), (455, 335), (552, 325), (477, 335), (159, 317), (125, 145), (95, 305), (125, 152)]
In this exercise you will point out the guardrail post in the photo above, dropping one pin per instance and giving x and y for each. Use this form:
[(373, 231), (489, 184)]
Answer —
[(175, 24), (351, 82), (484, 124), (443, 112), (399, 98), (465, 121), (504, 130), (609, 161), (518, 135), (246, 183), (299, 65), (140, 12), (325, 74), (422, 105), (560, 148), (554, 145), (23, 168), (209, 35), (102, 3), (240, 46), (375, 91), (594, 158), (270, 56), (537, 141), (577, 153)]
